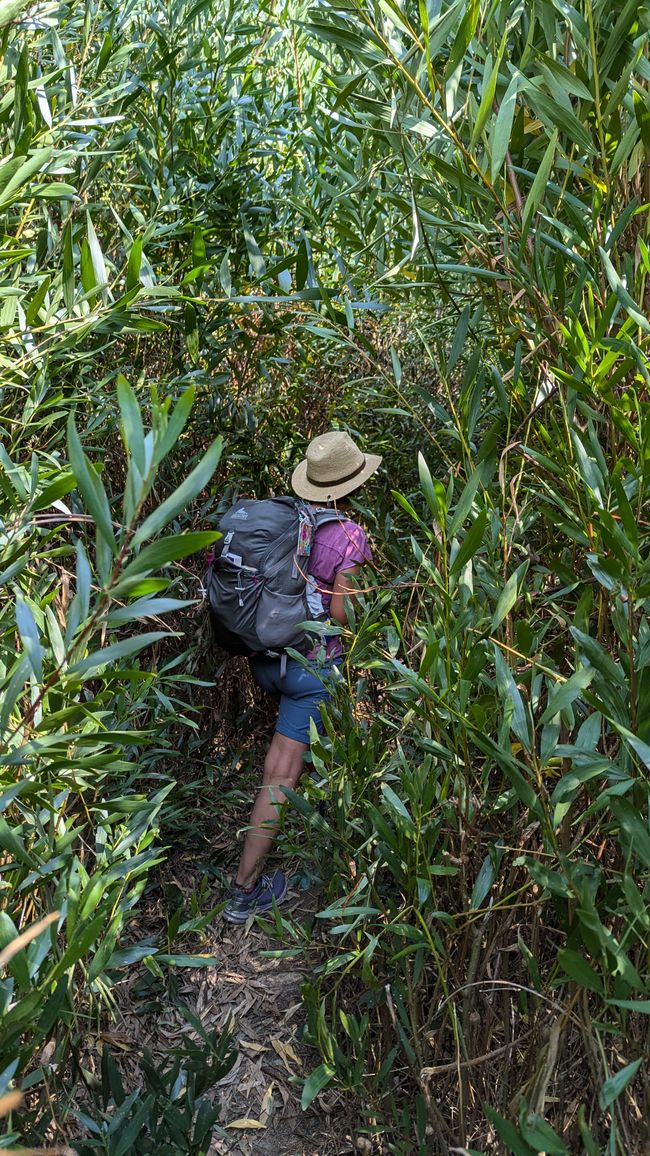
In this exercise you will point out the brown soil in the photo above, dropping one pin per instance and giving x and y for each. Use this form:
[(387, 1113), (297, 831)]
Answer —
[(259, 998)]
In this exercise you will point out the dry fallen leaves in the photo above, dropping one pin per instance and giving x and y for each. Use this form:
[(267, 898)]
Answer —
[(286, 1053), (252, 1047)]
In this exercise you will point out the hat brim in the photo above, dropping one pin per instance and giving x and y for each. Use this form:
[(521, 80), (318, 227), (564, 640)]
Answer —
[(301, 485)]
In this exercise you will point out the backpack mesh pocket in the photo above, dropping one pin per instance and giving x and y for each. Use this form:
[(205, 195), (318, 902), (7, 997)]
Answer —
[(234, 602), (278, 616)]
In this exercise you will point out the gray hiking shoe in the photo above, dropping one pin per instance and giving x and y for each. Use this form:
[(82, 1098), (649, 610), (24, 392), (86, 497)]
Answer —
[(267, 890)]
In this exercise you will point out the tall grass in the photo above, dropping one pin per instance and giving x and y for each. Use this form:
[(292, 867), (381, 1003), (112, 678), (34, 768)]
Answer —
[(489, 824), (429, 225)]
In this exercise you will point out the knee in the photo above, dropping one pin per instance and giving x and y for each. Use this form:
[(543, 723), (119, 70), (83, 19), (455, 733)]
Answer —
[(282, 773), (284, 761)]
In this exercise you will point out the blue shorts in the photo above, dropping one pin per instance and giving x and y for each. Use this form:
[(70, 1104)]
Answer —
[(300, 692)]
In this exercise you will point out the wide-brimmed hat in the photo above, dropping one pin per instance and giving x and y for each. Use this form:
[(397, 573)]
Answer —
[(333, 467)]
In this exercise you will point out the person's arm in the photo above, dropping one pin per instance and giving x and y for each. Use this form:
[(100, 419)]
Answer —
[(342, 588)]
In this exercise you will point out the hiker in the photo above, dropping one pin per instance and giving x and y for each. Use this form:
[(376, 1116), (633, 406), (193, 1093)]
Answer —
[(333, 468)]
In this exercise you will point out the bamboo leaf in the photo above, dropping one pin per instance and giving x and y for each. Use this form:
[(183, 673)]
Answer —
[(433, 491), (162, 553), (255, 257), (501, 132), (509, 595), (134, 265), (186, 492), (124, 649), (538, 187), (68, 268), (625, 298), (472, 542), (29, 636), (567, 692), (90, 487), (132, 431), (315, 1083), (615, 1085), (96, 255), (10, 9), (441, 28)]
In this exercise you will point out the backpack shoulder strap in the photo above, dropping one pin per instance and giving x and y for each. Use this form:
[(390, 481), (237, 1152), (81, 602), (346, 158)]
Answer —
[(321, 517)]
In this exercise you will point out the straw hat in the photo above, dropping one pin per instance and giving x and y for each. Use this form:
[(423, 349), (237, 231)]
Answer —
[(333, 466)]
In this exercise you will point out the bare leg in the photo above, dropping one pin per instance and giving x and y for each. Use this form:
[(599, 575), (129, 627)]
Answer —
[(282, 768)]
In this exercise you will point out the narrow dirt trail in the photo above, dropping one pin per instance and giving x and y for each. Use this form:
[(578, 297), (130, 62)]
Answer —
[(262, 998), (259, 998), (257, 995)]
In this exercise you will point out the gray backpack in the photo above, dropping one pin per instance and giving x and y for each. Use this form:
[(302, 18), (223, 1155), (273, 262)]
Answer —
[(257, 584)]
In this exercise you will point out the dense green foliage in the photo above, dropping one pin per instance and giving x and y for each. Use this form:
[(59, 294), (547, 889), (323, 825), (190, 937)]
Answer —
[(428, 223)]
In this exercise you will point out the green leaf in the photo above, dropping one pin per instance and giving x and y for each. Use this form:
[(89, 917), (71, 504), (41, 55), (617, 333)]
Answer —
[(145, 608), (559, 118), (68, 268), (117, 650), (636, 1005), (18, 964), (29, 637), (508, 595), (9, 841), (433, 491), (15, 172), (52, 493), (579, 970), (302, 264), (484, 881), (198, 960), (134, 265), (463, 36), (132, 431), (36, 304), (489, 93), (315, 1083), (622, 294), (181, 498), (613, 1087), (507, 1132), (472, 541), (567, 692), (538, 1133), (163, 552), (633, 829), (642, 114), (175, 425), (500, 140), (538, 187), (79, 944), (513, 705), (10, 9), (104, 53), (96, 255), (399, 810), (224, 275), (90, 487), (255, 257), (465, 501), (641, 748)]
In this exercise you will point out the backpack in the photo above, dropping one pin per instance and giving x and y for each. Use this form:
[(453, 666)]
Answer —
[(256, 584)]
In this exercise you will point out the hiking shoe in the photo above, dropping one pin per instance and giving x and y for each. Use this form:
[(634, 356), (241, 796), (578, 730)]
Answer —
[(267, 890)]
